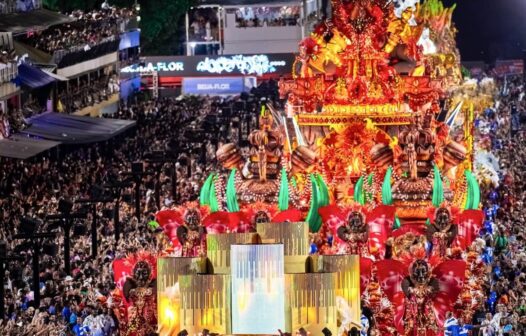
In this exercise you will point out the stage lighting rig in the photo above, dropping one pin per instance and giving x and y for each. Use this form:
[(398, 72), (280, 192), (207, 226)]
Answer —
[(116, 184), (4, 259), (66, 218), (97, 195), (34, 240)]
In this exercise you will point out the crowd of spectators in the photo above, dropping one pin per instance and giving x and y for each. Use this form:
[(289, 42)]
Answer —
[(5, 129), (247, 17), (8, 64), (204, 25), (32, 106), (73, 304), (502, 130), (85, 94), (7, 55), (88, 29), (19, 6)]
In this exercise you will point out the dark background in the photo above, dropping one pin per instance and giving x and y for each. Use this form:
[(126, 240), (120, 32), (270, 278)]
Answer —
[(490, 29)]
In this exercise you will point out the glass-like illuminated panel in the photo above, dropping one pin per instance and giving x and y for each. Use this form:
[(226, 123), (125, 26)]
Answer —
[(258, 289)]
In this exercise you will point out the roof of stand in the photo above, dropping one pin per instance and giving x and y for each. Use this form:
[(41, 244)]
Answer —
[(71, 129), (22, 147), (19, 23), (32, 77)]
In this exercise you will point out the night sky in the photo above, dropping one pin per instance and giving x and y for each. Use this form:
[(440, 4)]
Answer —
[(490, 29)]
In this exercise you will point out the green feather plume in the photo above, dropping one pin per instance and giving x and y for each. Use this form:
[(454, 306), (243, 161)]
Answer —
[(204, 195), (387, 194), (358, 191), (214, 204), (313, 218), (438, 188), (324, 198), (397, 224), (473, 191), (283, 198)]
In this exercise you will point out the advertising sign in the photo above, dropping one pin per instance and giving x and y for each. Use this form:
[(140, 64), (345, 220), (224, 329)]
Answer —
[(214, 86), (194, 66)]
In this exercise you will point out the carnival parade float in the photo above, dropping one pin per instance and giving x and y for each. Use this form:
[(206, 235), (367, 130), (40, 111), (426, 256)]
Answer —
[(360, 195)]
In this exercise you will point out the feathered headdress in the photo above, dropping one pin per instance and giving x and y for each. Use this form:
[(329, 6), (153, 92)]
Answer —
[(132, 260)]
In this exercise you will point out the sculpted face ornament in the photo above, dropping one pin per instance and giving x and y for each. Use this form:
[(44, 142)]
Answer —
[(356, 221), (266, 121), (261, 217), (420, 271), (442, 219), (192, 219), (142, 273)]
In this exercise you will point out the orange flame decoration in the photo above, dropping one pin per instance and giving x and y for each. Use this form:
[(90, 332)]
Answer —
[(346, 152)]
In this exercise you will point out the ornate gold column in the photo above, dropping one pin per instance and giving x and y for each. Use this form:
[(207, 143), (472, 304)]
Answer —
[(311, 302), (346, 269), (295, 239), (205, 303), (168, 290), (218, 249)]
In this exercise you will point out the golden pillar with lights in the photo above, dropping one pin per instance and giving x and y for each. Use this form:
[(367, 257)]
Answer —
[(295, 239), (218, 249), (168, 290), (346, 269), (205, 303), (311, 302)]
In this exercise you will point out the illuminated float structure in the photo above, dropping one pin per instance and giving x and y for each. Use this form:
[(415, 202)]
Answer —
[(358, 191)]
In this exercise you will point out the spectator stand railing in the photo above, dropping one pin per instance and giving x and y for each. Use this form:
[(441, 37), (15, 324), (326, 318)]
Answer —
[(59, 55), (8, 72)]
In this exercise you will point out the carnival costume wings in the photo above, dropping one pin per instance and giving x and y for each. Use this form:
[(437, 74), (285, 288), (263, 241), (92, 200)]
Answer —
[(379, 225), (172, 219), (449, 274), (469, 223), (218, 222)]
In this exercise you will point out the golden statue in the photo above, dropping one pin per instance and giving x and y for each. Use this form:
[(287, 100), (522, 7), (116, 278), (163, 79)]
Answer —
[(259, 174), (266, 149)]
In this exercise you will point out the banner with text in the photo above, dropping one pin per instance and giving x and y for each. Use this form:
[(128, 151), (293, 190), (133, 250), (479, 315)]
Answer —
[(214, 65), (214, 86)]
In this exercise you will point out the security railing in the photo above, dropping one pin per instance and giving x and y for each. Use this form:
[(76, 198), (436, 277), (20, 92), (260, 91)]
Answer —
[(8, 72)]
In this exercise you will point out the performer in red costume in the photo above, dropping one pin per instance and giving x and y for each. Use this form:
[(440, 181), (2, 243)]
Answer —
[(358, 231), (192, 235), (441, 233), (140, 291), (420, 288), (355, 234), (135, 305), (421, 293)]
